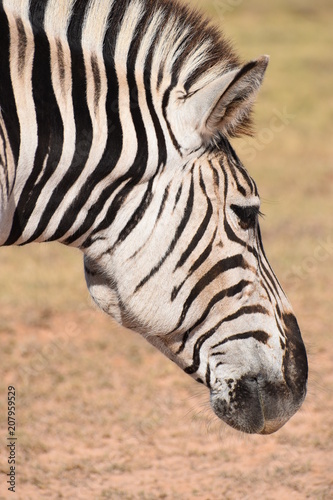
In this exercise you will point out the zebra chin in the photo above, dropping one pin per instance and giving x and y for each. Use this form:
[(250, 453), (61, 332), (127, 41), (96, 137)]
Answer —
[(257, 407)]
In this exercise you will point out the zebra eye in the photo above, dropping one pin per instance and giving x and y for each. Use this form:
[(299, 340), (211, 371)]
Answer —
[(247, 215)]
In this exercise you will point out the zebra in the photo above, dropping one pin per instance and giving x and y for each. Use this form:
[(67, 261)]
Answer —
[(116, 121)]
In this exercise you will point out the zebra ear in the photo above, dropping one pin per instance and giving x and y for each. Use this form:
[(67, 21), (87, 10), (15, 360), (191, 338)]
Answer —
[(224, 106)]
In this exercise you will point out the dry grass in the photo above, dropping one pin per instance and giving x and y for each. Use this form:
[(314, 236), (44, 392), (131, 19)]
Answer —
[(103, 415)]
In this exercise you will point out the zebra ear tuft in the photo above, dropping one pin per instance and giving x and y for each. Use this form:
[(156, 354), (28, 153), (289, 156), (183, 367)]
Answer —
[(224, 106), (230, 115)]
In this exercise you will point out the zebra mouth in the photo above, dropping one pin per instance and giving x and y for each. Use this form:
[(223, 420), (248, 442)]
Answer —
[(256, 407)]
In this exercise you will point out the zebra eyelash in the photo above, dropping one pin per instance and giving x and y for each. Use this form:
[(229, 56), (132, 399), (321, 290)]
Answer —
[(247, 215)]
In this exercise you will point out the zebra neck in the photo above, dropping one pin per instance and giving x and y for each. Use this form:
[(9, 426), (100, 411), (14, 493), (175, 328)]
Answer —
[(84, 102)]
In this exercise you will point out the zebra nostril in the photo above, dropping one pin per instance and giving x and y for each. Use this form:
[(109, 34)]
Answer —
[(254, 379), (255, 405)]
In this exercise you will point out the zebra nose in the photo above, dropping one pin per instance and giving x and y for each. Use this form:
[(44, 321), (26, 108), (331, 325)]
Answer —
[(243, 411), (255, 406)]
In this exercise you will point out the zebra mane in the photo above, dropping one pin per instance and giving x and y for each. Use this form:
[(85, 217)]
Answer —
[(184, 36), (176, 40)]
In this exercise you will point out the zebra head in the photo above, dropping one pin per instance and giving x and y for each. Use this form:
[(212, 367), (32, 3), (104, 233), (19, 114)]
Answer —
[(186, 266), (115, 119)]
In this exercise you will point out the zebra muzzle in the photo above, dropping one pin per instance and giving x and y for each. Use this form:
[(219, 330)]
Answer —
[(256, 406)]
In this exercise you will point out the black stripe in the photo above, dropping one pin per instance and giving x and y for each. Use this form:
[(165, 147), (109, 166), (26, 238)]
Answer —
[(232, 236), (137, 216), (50, 135), (245, 69), (236, 165), (200, 232), (278, 323), (75, 27), (237, 168), (182, 51), (161, 144), (112, 211), (162, 206), (268, 278), (165, 197), (217, 270), (109, 159), (229, 232), (233, 171), (216, 354), (165, 103), (246, 310), (4, 165), (7, 100), (178, 195), (179, 231), (140, 163), (228, 292), (208, 376), (268, 289), (258, 335), (174, 80), (196, 353), (203, 257), (37, 14), (250, 182), (269, 273), (138, 168), (83, 127), (113, 148)]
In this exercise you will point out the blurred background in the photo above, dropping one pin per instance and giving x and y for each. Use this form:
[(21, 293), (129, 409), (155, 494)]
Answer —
[(101, 414)]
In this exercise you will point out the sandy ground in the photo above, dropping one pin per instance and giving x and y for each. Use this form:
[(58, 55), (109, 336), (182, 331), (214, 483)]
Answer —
[(102, 415)]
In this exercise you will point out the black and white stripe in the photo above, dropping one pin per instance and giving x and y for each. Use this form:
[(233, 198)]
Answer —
[(115, 119)]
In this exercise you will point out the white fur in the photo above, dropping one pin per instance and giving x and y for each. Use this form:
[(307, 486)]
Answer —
[(22, 91)]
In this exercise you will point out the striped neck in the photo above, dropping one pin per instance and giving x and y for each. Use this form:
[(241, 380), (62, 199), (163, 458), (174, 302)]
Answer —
[(87, 116)]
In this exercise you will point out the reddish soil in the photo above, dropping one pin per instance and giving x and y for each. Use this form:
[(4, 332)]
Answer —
[(102, 415)]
